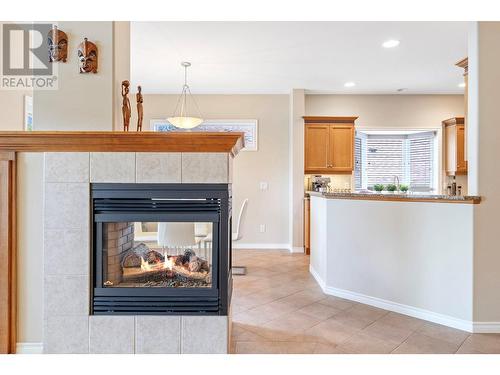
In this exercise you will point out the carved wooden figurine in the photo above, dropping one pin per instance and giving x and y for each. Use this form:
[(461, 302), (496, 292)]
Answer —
[(58, 45), (87, 56), (140, 112), (126, 109)]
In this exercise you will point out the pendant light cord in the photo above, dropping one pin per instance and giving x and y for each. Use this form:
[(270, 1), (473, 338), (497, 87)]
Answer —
[(182, 100)]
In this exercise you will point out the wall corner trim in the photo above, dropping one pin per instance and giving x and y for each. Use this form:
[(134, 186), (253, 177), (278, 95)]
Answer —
[(29, 348)]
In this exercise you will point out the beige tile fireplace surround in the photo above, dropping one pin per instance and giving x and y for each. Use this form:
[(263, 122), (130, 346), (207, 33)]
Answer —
[(68, 327)]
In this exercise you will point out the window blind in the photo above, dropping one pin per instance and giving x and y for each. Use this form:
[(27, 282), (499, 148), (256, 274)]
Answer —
[(421, 161), (358, 170), (384, 160), (378, 158)]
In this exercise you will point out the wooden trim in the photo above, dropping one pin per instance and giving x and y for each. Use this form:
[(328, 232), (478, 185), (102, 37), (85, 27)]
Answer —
[(464, 63), (329, 119), (388, 198), (8, 252), (54, 141), (454, 121)]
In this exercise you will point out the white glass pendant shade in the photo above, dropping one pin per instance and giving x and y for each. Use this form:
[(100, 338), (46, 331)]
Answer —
[(181, 118), (185, 122)]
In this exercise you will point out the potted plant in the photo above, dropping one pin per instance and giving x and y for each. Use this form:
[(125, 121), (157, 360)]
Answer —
[(378, 188), (391, 188), (404, 188)]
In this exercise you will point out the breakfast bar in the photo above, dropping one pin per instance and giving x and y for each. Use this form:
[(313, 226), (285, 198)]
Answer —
[(411, 254)]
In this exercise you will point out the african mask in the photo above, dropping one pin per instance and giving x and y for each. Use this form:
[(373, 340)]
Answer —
[(87, 57), (58, 45)]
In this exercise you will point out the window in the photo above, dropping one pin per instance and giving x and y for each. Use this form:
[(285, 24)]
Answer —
[(410, 156)]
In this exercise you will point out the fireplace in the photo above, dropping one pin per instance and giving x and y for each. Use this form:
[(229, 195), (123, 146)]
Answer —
[(161, 249)]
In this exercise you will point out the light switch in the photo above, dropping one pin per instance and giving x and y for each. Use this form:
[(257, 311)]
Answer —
[(264, 185), (262, 228)]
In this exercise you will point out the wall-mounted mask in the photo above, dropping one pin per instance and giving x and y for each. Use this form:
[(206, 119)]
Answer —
[(58, 45), (87, 57)]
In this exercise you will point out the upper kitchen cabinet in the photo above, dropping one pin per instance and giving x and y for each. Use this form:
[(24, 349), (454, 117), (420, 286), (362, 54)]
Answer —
[(454, 134), (329, 144)]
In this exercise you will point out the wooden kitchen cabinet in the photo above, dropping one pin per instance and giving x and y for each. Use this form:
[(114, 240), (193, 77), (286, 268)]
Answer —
[(329, 145), (454, 131)]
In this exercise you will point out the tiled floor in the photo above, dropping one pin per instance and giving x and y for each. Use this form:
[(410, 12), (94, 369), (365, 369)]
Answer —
[(279, 308)]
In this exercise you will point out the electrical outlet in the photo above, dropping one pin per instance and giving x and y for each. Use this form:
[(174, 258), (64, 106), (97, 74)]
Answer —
[(262, 228), (264, 185)]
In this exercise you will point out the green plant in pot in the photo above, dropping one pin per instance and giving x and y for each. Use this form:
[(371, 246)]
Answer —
[(391, 188), (378, 188), (404, 188)]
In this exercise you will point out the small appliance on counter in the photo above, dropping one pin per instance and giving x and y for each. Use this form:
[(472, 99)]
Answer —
[(320, 184)]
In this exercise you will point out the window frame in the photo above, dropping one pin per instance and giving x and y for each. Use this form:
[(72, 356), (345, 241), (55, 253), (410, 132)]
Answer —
[(437, 176)]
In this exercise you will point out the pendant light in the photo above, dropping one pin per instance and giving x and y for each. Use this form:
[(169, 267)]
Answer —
[(181, 118)]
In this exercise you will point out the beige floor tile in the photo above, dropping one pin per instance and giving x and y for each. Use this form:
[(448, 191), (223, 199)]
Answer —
[(284, 311), (365, 344), (299, 299), (347, 318), (452, 335), (250, 317), (338, 303), (422, 344), (272, 311), (387, 332), (366, 312), (488, 343), (274, 348), (403, 321), (319, 311), (292, 324), (328, 349), (328, 332)]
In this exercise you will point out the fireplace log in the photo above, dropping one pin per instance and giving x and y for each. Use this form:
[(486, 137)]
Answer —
[(157, 274)]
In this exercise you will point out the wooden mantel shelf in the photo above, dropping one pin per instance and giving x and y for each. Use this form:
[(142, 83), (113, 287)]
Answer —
[(13, 142), (59, 141)]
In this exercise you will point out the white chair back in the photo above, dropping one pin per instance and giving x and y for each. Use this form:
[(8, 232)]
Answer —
[(176, 234), (238, 235)]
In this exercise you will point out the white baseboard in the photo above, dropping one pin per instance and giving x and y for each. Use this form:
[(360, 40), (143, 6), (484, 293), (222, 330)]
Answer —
[(486, 327), (261, 246), (464, 325), (268, 246), (29, 348)]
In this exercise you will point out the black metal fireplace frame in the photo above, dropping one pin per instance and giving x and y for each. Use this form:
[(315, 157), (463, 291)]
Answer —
[(151, 202)]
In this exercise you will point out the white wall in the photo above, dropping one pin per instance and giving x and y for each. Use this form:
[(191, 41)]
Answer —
[(485, 154), (388, 111), (269, 163), (411, 255), (82, 101)]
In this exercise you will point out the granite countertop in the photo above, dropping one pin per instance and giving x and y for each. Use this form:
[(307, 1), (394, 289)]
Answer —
[(438, 198)]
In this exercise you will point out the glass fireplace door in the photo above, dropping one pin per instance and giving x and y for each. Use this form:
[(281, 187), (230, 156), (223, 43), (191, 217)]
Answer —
[(160, 251), (157, 254)]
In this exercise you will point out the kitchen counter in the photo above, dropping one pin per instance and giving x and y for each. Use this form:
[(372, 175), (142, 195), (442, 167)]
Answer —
[(390, 252), (400, 197)]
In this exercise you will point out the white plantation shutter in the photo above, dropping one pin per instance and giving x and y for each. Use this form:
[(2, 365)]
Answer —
[(384, 159), (421, 160), (358, 167)]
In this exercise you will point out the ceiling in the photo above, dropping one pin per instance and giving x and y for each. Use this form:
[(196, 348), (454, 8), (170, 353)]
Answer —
[(274, 57)]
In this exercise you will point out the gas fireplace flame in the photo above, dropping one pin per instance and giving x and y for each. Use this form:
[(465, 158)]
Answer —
[(145, 266)]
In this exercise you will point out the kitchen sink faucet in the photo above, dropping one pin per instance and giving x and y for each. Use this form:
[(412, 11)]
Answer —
[(396, 182)]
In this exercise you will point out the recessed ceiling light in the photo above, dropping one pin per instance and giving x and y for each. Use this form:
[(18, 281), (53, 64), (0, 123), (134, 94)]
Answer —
[(391, 43), (462, 84), (349, 84)]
